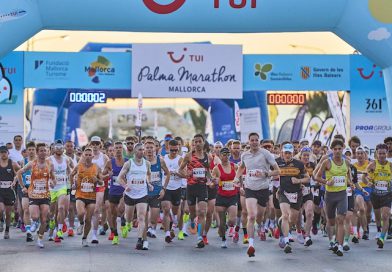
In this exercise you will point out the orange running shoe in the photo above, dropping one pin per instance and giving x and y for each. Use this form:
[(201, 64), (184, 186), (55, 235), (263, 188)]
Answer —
[(205, 240), (70, 232), (111, 236)]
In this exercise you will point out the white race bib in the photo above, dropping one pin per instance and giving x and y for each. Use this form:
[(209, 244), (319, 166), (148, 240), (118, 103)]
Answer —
[(155, 177), (381, 185), (61, 179), (39, 187), (87, 187), (115, 182), (137, 183), (292, 197), (5, 184), (339, 181), (254, 173), (199, 172), (349, 191), (316, 192), (228, 186), (305, 191), (28, 179)]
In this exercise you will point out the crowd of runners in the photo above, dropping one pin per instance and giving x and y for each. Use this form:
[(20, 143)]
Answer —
[(257, 190)]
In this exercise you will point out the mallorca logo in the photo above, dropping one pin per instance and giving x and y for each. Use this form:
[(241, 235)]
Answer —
[(101, 67), (305, 72), (262, 70)]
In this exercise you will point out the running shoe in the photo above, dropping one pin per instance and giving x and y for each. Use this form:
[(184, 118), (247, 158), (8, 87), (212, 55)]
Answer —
[(276, 233), (355, 239), (262, 235), (314, 230), (1, 226), (57, 239), (339, 251), (139, 244), (84, 243), (94, 240), (52, 224), (287, 248), (223, 244), (193, 228), (380, 242), (145, 245), (6, 235), (79, 230), (308, 241), (29, 237), (231, 232), (331, 245), (251, 251), (111, 236), (236, 237), (300, 238), (346, 247), (60, 234), (181, 235), (245, 240), (335, 247), (124, 231), (281, 242), (205, 240), (50, 238), (172, 234), (214, 225), (71, 232), (22, 227), (65, 227), (149, 232), (168, 239), (115, 240), (377, 236), (365, 235), (101, 231), (200, 243), (291, 239), (39, 243)]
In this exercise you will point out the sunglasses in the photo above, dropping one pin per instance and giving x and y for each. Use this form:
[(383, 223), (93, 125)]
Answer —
[(95, 143), (173, 150), (130, 143)]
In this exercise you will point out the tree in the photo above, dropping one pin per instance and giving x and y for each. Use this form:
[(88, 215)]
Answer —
[(199, 120)]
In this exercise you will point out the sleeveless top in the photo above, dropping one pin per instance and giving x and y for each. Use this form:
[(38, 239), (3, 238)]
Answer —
[(115, 187), (85, 184), (199, 168), (382, 179), (60, 172), (156, 177), (26, 177), (39, 187), (226, 186), (7, 176), (137, 180), (175, 181), (337, 173)]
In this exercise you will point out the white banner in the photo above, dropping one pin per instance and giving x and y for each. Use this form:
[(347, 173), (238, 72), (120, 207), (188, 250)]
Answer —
[(139, 111), (43, 124), (209, 131), (336, 110), (250, 122), (237, 117), (187, 70)]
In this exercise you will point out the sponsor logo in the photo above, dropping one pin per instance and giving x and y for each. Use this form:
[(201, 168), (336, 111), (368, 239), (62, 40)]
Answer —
[(12, 15), (373, 128), (305, 72), (38, 64), (5, 88), (163, 9), (262, 70), (178, 60), (101, 67), (368, 75)]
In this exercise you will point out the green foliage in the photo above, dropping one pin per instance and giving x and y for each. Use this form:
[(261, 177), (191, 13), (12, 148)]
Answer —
[(199, 119)]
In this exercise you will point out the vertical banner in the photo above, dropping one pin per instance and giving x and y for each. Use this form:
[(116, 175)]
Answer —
[(44, 119), (139, 115), (110, 133), (11, 97), (336, 110), (209, 130), (250, 122), (156, 124), (237, 119)]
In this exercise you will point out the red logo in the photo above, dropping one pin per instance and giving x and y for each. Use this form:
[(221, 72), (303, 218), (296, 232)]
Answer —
[(164, 9), (171, 55)]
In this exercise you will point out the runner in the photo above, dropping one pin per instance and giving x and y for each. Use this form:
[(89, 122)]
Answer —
[(198, 176), (227, 196), (100, 159), (292, 176), (116, 191), (42, 177), (337, 177), (135, 177), (88, 176), (8, 168), (63, 166), (257, 162), (379, 174)]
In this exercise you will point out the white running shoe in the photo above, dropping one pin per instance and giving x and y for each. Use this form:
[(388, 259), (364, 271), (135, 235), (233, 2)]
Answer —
[(145, 245), (224, 244), (39, 243), (300, 238), (34, 226), (79, 230), (84, 243)]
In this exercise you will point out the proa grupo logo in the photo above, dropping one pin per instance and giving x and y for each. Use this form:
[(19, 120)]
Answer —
[(262, 70), (101, 67)]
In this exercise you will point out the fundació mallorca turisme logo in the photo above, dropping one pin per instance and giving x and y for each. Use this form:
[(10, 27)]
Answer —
[(101, 67)]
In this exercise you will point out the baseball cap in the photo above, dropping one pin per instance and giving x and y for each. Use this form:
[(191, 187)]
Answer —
[(317, 142), (218, 143), (95, 139), (303, 140), (360, 148), (224, 150), (3, 148), (288, 148), (347, 149), (168, 137), (306, 149)]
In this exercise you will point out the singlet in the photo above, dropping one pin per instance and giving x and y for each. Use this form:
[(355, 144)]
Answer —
[(199, 168), (100, 162), (7, 176), (337, 173), (60, 172), (39, 187), (288, 170), (137, 180), (361, 170), (175, 181), (382, 178), (26, 177), (85, 184), (226, 186), (115, 187), (156, 177), (309, 167), (235, 161)]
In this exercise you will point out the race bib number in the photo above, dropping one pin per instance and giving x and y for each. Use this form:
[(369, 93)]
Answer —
[(199, 172), (339, 181), (5, 184), (61, 179), (292, 197), (254, 173), (155, 177), (28, 179), (87, 187), (228, 186), (381, 185), (40, 187), (316, 192), (359, 176), (349, 191), (137, 183), (305, 191), (115, 182)]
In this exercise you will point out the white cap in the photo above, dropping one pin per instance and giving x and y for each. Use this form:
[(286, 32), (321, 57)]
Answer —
[(304, 140), (95, 139), (288, 148), (347, 149)]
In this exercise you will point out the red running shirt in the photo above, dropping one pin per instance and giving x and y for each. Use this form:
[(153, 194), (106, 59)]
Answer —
[(226, 186)]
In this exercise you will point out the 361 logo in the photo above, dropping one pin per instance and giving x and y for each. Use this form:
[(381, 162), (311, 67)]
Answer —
[(262, 70)]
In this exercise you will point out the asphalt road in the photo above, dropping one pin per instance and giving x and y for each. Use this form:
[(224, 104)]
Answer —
[(18, 256)]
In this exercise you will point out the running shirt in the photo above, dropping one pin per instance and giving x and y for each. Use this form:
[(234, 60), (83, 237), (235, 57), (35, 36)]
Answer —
[(7, 176), (199, 169), (361, 170), (261, 160), (288, 170), (137, 180), (337, 173), (26, 177), (39, 186), (226, 186), (235, 161), (85, 184), (382, 178), (175, 181), (60, 172), (116, 189), (100, 162), (156, 177)]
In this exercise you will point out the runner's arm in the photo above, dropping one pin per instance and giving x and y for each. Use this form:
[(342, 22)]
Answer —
[(178, 172), (182, 171), (167, 173), (124, 170), (320, 170)]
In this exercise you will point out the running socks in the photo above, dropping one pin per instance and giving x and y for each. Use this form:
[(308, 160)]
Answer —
[(199, 230), (245, 231)]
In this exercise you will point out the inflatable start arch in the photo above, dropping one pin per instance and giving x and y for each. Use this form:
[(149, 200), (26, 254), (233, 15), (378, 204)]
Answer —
[(365, 24)]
